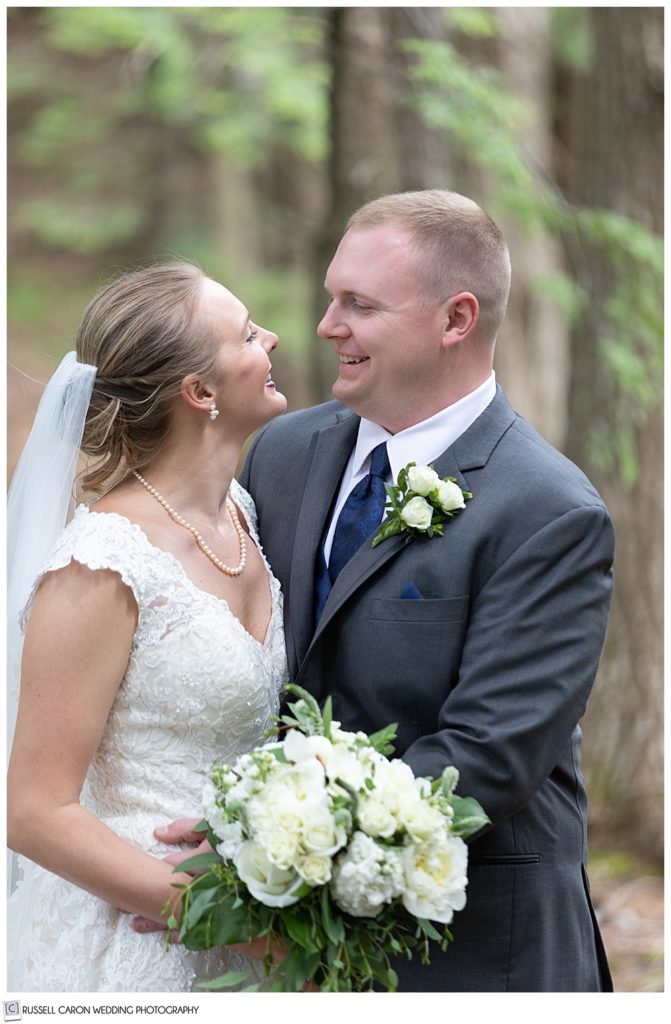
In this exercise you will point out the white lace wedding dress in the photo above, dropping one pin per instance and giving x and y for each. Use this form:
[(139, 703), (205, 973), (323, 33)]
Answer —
[(198, 689)]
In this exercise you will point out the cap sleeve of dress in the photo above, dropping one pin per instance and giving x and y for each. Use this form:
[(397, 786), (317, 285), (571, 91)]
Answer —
[(105, 541)]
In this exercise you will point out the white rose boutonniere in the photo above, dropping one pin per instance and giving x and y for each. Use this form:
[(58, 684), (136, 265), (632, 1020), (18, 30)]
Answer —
[(420, 503)]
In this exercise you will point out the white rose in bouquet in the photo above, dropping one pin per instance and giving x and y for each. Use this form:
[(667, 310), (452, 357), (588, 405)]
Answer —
[(375, 819), (271, 885), (421, 820), (281, 848), (325, 819), (315, 869), (422, 480), (321, 835), (450, 496), (435, 878), (417, 513)]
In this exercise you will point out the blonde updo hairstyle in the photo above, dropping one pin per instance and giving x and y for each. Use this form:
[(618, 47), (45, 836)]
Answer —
[(140, 332)]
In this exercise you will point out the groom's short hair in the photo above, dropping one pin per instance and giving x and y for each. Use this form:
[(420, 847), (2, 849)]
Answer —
[(459, 248)]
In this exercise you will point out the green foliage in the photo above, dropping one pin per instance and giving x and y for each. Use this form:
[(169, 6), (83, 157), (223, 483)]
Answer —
[(480, 115), (572, 37), (340, 952), (476, 22), (76, 226), (243, 82)]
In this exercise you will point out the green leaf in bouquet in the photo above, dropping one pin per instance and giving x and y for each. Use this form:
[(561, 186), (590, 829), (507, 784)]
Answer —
[(198, 861), (469, 816), (448, 781), (382, 741), (197, 906), (351, 792), (333, 925), (230, 927), (226, 980), (297, 968), (299, 929), (327, 718), (425, 927), (305, 696), (202, 826)]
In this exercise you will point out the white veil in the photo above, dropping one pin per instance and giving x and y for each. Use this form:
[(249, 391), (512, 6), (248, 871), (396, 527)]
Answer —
[(41, 498)]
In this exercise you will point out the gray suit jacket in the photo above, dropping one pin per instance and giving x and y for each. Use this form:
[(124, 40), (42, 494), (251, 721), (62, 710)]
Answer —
[(490, 670)]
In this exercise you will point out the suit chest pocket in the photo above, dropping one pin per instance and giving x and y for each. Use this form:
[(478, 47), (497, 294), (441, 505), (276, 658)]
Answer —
[(431, 610)]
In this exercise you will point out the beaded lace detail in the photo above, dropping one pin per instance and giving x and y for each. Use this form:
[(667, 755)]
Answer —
[(198, 689)]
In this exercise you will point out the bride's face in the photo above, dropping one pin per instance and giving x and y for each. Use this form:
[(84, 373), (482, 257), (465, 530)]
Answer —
[(245, 391)]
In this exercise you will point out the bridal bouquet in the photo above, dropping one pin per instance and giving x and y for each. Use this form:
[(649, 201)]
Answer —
[(326, 846)]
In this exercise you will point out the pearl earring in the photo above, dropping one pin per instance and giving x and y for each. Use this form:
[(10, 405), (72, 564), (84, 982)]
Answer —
[(214, 412)]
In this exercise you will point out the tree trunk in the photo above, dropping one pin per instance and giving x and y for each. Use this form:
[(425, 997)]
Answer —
[(379, 144), (362, 162), (532, 354), (616, 125)]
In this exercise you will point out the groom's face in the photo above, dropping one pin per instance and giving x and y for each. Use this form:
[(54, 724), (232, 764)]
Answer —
[(388, 338)]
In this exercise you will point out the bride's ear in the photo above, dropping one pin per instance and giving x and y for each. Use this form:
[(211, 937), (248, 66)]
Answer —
[(196, 393)]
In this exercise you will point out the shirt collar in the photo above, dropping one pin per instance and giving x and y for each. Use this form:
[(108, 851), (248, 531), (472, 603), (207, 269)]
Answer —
[(425, 441)]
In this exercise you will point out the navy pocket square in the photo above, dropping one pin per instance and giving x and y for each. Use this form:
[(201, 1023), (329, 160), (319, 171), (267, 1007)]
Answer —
[(411, 593)]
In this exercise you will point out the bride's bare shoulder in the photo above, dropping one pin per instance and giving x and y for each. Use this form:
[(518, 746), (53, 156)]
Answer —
[(130, 501)]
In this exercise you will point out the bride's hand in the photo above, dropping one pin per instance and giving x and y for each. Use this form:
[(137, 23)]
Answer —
[(180, 831)]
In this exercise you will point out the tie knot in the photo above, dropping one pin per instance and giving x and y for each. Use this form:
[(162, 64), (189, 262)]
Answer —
[(379, 462)]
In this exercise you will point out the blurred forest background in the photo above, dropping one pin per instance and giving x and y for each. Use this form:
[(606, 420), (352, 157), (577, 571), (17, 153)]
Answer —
[(242, 138)]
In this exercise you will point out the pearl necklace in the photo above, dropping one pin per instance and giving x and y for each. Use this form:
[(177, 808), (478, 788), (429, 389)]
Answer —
[(227, 569)]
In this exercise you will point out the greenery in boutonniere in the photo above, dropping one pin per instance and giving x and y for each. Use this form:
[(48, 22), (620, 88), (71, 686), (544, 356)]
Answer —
[(420, 503)]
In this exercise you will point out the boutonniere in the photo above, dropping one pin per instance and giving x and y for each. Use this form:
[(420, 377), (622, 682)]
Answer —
[(420, 503)]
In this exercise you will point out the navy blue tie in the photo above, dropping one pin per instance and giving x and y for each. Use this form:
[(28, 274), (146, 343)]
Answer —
[(362, 512)]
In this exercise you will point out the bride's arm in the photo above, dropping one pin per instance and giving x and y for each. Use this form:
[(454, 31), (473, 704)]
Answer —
[(75, 655)]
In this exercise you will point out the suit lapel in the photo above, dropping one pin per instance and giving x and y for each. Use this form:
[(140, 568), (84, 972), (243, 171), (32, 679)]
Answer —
[(331, 447), (470, 451)]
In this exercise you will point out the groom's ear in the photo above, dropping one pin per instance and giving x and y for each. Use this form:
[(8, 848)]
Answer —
[(462, 312), (196, 392)]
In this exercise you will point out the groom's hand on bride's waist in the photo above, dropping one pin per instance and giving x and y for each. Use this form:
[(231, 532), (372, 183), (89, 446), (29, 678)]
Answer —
[(180, 831)]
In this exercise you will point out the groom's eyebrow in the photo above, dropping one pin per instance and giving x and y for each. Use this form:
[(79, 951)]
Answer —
[(350, 293)]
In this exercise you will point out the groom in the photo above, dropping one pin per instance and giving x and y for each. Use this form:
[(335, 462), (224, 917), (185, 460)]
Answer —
[(481, 644)]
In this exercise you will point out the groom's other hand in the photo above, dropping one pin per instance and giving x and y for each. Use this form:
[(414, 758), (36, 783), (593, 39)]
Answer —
[(180, 831)]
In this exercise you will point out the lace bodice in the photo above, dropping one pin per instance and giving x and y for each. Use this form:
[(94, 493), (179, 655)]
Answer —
[(198, 689)]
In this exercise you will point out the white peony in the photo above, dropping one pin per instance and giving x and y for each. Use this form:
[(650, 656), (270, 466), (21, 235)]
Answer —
[(366, 876), (271, 885), (422, 480), (450, 496), (417, 513), (435, 878)]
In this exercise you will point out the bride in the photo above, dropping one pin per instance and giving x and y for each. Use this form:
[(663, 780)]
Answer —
[(153, 628)]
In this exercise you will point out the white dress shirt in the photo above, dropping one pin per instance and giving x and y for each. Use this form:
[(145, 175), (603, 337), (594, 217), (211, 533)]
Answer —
[(421, 443)]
